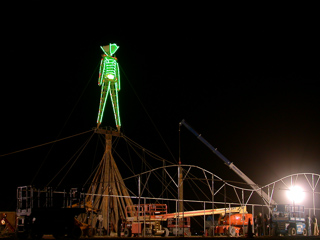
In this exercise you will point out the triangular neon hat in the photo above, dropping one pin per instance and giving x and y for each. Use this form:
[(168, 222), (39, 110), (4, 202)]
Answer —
[(110, 49)]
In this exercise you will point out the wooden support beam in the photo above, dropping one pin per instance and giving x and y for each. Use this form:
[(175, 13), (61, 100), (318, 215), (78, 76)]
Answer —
[(107, 181)]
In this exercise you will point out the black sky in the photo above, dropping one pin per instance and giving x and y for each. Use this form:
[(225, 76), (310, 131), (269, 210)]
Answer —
[(248, 82)]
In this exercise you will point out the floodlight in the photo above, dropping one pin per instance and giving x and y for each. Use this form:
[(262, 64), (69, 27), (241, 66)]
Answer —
[(295, 194)]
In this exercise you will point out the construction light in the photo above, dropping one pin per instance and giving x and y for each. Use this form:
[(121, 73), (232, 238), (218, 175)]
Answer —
[(295, 194)]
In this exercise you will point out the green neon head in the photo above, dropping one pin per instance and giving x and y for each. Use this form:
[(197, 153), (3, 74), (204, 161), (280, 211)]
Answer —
[(110, 49)]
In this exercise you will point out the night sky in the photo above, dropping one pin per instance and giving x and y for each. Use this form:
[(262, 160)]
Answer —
[(247, 82)]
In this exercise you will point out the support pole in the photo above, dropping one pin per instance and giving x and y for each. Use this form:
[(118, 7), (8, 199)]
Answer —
[(204, 217), (177, 219), (180, 188), (212, 187), (253, 227), (313, 201), (108, 171), (180, 193), (139, 203), (243, 214)]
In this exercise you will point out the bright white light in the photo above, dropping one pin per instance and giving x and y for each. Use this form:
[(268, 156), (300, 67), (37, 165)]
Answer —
[(295, 194), (110, 76)]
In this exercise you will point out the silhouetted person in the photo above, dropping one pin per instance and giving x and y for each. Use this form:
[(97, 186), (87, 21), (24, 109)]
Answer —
[(308, 225), (265, 225), (259, 225), (249, 233), (315, 229)]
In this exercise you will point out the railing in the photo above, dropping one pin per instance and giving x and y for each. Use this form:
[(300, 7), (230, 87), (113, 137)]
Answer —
[(146, 210)]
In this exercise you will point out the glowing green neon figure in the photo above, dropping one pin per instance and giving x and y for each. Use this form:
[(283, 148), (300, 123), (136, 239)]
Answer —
[(109, 80)]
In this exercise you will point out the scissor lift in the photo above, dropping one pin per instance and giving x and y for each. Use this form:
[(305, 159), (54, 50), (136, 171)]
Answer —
[(45, 211), (145, 219)]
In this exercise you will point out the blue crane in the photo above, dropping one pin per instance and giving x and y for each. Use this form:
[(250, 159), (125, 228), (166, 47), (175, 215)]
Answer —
[(254, 186)]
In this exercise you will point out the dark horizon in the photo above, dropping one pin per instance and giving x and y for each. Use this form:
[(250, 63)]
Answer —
[(249, 87)]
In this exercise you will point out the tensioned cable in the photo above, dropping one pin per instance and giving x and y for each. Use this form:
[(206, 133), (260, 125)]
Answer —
[(134, 145), (41, 145), (83, 91), (130, 158), (124, 162), (57, 140), (65, 123), (151, 154), (82, 149), (92, 172), (94, 157), (145, 110)]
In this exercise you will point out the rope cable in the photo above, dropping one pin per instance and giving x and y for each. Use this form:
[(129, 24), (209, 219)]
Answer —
[(85, 88), (92, 172), (130, 158), (41, 145), (145, 110), (68, 161), (142, 158), (94, 156), (85, 144), (155, 156), (65, 123)]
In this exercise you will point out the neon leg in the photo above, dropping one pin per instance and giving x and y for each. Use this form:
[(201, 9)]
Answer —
[(103, 99), (115, 104)]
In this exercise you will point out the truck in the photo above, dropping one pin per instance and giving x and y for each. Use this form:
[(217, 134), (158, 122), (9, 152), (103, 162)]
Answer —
[(45, 211), (288, 219)]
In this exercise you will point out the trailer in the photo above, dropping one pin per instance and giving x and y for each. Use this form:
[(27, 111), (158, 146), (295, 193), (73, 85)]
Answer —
[(44, 211)]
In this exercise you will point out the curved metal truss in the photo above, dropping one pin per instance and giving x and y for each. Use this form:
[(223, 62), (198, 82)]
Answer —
[(204, 187), (308, 182)]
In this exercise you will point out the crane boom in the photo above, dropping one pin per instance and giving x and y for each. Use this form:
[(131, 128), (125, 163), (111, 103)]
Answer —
[(195, 213), (254, 186)]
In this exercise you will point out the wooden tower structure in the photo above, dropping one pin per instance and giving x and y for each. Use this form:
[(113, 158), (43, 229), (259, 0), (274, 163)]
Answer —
[(107, 196)]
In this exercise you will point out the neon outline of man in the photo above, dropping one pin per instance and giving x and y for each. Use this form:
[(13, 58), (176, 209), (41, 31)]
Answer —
[(109, 80)]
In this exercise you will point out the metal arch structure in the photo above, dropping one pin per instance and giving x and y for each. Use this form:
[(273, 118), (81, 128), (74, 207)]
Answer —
[(207, 179), (309, 182), (207, 188)]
